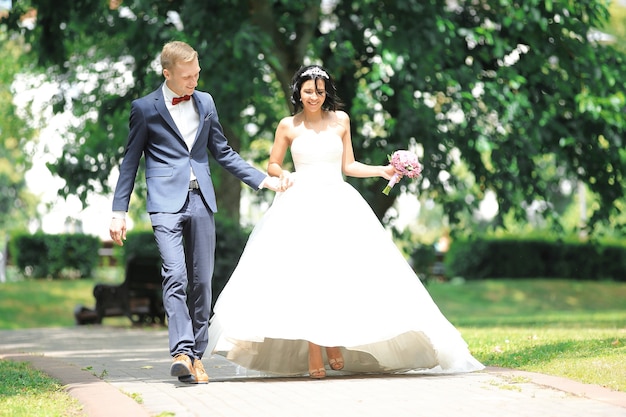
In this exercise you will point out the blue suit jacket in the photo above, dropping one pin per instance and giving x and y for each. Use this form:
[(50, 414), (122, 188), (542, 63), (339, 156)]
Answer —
[(154, 135)]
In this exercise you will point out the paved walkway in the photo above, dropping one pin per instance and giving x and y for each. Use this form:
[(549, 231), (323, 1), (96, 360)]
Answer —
[(125, 373)]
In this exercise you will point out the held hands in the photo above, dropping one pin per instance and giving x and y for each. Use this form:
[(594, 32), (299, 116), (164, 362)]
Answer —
[(117, 229), (279, 184), (286, 180)]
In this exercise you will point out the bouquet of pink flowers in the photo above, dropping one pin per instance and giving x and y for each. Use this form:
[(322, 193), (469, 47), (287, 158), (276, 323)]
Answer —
[(407, 164)]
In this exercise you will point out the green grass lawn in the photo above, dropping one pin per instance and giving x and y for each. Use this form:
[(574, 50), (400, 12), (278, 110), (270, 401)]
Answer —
[(36, 303), (564, 328), (532, 303), (25, 392)]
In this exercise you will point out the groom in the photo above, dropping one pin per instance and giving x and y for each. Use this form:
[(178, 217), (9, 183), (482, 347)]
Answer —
[(173, 127)]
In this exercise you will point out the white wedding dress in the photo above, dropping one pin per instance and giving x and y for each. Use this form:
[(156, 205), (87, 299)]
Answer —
[(320, 267)]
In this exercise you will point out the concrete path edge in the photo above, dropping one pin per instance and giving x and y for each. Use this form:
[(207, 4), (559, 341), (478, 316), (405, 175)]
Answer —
[(98, 398), (594, 392)]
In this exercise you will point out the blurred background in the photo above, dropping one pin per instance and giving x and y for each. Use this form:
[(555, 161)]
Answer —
[(515, 108)]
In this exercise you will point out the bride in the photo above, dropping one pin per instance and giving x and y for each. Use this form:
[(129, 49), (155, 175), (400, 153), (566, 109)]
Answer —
[(320, 281)]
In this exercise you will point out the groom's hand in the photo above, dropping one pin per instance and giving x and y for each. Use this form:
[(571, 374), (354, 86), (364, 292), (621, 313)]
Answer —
[(278, 184), (117, 230), (272, 183)]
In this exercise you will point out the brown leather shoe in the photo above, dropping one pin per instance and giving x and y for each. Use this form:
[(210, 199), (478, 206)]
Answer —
[(201, 376), (181, 366), (198, 377)]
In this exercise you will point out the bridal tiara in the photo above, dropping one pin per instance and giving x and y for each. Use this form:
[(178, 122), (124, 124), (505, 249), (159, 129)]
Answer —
[(315, 72)]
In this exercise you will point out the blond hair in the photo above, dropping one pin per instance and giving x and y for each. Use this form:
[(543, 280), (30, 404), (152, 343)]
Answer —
[(176, 51)]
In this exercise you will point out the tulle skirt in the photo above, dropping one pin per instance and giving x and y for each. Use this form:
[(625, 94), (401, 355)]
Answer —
[(320, 267)]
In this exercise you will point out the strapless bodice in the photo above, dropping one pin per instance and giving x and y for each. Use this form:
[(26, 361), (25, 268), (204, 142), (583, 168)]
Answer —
[(318, 156)]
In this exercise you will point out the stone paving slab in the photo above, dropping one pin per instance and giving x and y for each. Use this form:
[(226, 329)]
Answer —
[(105, 367)]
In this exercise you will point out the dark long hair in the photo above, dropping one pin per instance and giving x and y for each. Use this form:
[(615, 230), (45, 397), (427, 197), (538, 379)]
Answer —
[(314, 72)]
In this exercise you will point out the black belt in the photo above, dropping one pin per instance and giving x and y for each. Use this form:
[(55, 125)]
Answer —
[(193, 185)]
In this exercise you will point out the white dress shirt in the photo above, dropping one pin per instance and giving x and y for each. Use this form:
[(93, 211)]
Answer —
[(186, 117)]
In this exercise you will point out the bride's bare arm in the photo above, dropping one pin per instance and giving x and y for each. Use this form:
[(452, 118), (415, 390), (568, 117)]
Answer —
[(279, 148), (352, 167)]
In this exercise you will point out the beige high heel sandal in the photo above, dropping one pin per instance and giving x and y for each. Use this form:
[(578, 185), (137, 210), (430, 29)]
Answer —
[(335, 358), (316, 363)]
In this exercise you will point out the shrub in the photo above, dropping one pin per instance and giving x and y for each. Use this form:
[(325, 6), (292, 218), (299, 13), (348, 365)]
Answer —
[(29, 253), (422, 260), (480, 258), (46, 255)]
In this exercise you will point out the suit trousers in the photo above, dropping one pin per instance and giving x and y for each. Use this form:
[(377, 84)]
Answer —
[(186, 242)]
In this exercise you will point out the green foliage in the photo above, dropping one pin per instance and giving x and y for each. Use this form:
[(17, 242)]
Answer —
[(508, 96), (74, 251), (617, 24), (17, 205), (480, 258), (42, 255), (26, 252), (422, 259)]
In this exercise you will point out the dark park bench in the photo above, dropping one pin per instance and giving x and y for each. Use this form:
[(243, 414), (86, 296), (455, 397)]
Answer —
[(139, 297)]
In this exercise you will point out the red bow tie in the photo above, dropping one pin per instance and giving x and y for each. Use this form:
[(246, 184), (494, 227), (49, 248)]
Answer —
[(177, 100)]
